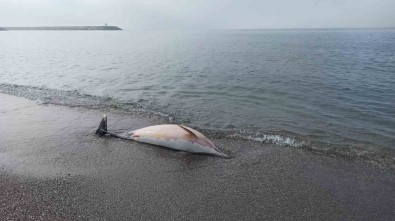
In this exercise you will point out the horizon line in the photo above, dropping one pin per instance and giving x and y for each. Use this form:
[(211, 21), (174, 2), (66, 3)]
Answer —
[(296, 28), (334, 28)]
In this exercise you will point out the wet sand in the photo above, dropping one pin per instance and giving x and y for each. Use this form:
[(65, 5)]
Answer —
[(52, 167)]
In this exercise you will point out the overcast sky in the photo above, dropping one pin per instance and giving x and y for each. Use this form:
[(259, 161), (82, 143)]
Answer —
[(191, 14)]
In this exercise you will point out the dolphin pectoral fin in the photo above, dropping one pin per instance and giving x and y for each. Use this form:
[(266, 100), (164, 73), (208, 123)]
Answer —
[(200, 138), (102, 129), (189, 131)]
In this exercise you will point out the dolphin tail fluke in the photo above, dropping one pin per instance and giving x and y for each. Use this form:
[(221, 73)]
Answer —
[(102, 130)]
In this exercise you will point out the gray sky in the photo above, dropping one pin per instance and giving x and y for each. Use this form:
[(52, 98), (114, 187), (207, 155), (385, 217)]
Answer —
[(180, 14)]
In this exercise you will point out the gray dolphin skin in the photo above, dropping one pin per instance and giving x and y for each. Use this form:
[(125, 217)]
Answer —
[(178, 137)]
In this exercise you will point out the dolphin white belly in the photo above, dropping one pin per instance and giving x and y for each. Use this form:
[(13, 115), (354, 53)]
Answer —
[(176, 137), (173, 136)]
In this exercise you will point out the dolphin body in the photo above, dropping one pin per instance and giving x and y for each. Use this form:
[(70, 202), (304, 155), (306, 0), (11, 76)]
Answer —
[(173, 136)]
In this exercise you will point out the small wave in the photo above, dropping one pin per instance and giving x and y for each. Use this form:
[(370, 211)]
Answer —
[(43, 95), (281, 140), (383, 158)]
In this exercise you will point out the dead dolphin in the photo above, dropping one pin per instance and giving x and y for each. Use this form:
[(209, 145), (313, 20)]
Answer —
[(173, 136)]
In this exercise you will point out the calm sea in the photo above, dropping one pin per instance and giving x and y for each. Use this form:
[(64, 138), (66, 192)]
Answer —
[(292, 87)]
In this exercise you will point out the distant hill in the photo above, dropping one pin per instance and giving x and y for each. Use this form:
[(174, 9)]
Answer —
[(63, 28), (3, 29)]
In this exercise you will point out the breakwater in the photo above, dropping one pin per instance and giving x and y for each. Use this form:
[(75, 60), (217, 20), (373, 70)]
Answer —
[(63, 28)]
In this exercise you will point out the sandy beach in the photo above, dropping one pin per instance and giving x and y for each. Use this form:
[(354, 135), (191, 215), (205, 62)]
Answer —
[(53, 167)]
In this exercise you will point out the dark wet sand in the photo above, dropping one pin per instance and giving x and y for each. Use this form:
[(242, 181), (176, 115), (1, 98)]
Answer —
[(52, 167)]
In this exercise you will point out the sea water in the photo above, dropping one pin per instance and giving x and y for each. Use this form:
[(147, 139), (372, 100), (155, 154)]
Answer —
[(288, 87)]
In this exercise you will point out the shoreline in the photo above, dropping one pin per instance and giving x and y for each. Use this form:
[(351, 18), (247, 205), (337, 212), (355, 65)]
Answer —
[(53, 167), (375, 155)]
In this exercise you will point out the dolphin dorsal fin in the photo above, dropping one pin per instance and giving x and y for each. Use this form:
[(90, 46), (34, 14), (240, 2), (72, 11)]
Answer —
[(189, 131)]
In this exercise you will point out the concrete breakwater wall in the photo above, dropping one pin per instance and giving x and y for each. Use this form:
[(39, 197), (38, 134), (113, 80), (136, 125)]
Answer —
[(63, 28)]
